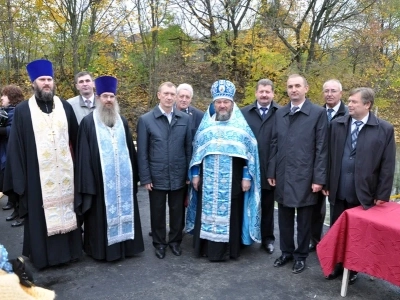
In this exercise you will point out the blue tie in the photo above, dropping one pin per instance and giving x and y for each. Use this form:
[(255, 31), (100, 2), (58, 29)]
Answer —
[(264, 111), (293, 110), (330, 111), (354, 134)]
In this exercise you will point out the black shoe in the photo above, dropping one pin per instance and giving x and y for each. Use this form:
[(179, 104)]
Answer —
[(8, 206), (17, 223), (160, 252), (283, 260), (150, 233), (299, 266), (269, 248), (176, 249), (353, 277), (312, 247), (13, 216), (335, 273)]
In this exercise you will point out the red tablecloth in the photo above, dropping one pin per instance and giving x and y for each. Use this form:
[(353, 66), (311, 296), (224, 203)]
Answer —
[(366, 241)]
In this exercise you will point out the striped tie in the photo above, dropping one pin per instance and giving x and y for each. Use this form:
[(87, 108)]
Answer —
[(330, 111), (293, 110), (264, 112), (354, 134)]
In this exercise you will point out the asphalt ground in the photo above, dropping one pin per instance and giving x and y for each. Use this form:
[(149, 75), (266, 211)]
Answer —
[(252, 276)]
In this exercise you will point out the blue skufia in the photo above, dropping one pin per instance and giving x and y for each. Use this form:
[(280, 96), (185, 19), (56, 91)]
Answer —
[(106, 84), (223, 89), (38, 68)]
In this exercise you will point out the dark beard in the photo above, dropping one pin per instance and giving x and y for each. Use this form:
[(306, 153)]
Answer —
[(223, 117), (44, 96), (108, 115)]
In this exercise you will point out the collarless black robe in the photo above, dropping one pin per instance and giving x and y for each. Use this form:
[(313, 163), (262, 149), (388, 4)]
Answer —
[(90, 196), (22, 177)]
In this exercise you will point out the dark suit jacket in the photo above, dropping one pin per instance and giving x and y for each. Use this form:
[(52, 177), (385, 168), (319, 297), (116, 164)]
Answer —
[(262, 129), (196, 115), (299, 154), (374, 160)]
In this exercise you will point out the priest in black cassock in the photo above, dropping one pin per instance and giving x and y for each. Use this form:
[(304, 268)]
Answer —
[(40, 170), (107, 177)]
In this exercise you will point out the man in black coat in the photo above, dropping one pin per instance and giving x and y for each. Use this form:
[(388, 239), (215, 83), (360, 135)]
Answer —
[(260, 116), (362, 157), (335, 108), (299, 157), (164, 144)]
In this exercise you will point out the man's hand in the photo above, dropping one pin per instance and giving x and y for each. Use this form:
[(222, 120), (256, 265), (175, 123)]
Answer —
[(379, 202), (271, 181), (195, 182), (246, 184), (316, 187), (325, 192), (149, 186)]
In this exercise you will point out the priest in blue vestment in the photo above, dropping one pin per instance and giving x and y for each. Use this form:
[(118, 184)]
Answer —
[(224, 209), (107, 177)]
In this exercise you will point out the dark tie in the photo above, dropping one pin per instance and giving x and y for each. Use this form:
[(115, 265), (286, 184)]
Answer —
[(186, 110), (293, 110), (264, 111), (330, 111), (354, 134)]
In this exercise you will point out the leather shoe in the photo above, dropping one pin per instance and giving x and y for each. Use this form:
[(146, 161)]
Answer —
[(299, 266), (13, 216), (7, 206), (283, 260), (353, 277), (160, 252), (176, 249), (269, 248), (17, 223), (312, 247), (335, 273)]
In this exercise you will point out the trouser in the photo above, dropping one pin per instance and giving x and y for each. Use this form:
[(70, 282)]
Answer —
[(158, 199), (267, 216), (286, 216), (318, 218)]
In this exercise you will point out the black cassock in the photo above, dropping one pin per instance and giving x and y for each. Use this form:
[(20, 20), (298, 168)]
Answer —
[(22, 177), (90, 199)]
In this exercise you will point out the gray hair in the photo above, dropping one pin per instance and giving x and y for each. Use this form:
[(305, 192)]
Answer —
[(185, 86), (367, 95), (335, 81)]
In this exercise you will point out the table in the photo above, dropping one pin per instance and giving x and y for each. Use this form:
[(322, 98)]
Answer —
[(366, 241)]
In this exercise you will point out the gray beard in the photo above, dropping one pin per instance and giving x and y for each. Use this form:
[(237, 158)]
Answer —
[(108, 115), (44, 96), (223, 117)]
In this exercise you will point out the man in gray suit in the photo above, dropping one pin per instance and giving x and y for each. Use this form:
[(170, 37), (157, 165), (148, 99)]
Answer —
[(84, 103), (297, 168)]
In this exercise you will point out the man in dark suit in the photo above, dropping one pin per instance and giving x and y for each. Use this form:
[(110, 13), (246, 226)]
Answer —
[(260, 116), (362, 157), (164, 145), (335, 108), (299, 157), (184, 95)]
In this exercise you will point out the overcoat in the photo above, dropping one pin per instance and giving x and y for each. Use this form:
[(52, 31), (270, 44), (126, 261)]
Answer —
[(195, 116), (164, 150), (375, 159), (299, 154), (262, 129)]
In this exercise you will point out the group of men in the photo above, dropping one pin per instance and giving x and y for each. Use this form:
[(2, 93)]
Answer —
[(68, 164)]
